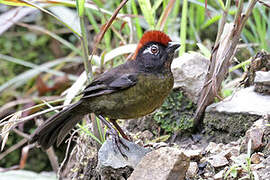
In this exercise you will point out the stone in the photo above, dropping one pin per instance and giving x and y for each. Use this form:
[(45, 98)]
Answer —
[(262, 82), (141, 124), (256, 103), (262, 77), (234, 151), (256, 158), (226, 153), (159, 145), (214, 148), (111, 162), (192, 170), (261, 123), (265, 172), (229, 119), (226, 127), (255, 167), (146, 135), (241, 159), (25, 175), (255, 134), (217, 160), (189, 72), (210, 147), (219, 175), (165, 163), (193, 154)]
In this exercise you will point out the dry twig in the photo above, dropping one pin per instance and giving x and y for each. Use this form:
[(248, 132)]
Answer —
[(221, 55)]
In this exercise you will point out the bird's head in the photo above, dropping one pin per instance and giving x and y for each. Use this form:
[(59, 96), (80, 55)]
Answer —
[(155, 50)]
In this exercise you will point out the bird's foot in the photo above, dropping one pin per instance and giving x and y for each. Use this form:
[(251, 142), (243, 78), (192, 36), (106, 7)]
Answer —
[(116, 140), (118, 143), (120, 129)]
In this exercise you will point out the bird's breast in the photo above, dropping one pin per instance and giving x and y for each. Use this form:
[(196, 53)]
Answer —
[(139, 100)]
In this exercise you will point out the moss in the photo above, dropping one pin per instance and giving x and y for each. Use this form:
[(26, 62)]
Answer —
[(224, 128), (176, 112)]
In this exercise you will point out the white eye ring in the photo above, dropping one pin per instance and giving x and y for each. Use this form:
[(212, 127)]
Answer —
[(154, 49)]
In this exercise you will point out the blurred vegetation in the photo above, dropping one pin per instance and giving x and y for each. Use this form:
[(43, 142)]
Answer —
[(187, 22)]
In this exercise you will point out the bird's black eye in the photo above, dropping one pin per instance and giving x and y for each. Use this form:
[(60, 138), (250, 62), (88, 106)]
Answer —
[(154, 49)]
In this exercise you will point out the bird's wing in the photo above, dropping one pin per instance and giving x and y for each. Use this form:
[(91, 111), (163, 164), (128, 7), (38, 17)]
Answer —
[(109, 85)]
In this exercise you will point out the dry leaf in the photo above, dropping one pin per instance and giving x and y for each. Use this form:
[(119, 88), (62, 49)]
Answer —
[(8, 126)]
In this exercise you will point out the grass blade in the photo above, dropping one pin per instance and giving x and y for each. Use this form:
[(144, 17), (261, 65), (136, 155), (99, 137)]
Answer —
[(183, 31), (148, 13)]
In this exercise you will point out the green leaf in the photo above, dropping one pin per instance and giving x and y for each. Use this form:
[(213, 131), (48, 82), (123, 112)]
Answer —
[(221, 4), (211, 21), (206, 52), (157, 4), (86, 131), (183, 31), (234, 173), (80, 7), (137, 23), (14, 3), (148, 13)]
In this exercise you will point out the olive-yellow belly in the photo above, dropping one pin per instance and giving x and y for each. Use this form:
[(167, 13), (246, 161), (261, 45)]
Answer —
[(139, 100)]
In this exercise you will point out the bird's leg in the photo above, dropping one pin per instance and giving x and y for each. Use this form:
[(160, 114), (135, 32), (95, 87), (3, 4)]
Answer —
[(119, 129), (115, 136)]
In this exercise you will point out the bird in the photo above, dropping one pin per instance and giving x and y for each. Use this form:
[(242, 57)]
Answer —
[(131, 90)]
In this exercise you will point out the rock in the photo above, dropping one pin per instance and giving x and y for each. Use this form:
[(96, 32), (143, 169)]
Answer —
[(230, 119), (192, 170), (112, 164), (226, 153), (225, 127), (255, 167), (159, 145), (146, 135), (189, 72), (261, 123), (262, 82), (211, 146), (165, 163), (241, 159), (176, 113), (141, 124), (256, 158), (219, 175), (262, 77), (234, 151), (193, 154), (256, 104), (206, 169), (26, 175), (255, 134), (217, 160), (266, 138), (265, 172), (261, 62), (214, 148)]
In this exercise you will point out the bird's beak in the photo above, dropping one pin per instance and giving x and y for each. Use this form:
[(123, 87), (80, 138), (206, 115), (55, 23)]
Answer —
[(172, 47)]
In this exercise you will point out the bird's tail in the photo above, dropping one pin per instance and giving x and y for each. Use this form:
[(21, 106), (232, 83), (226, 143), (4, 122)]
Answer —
[(56, 128)]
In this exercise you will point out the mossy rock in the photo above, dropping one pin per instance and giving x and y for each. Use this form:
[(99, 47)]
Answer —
[(224, 128), (176, 113)]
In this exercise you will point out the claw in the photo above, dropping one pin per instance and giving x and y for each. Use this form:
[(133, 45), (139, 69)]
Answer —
[(116, 140)]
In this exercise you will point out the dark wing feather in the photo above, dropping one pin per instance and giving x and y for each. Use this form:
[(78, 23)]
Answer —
[(109, 85), (124, 81)]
